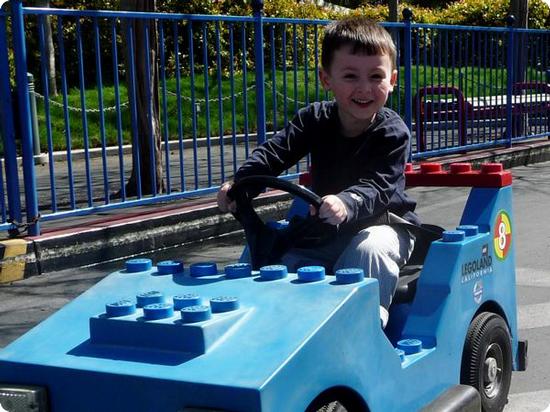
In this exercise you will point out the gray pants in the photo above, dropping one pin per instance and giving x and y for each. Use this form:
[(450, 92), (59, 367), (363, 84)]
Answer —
[(379, 250)]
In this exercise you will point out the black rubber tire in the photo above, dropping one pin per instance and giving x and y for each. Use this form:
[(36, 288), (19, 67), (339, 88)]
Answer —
[(333, 406), (487, 360)]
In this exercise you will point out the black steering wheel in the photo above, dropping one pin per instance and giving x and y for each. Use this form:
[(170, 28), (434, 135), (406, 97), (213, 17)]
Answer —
[(267, 245)]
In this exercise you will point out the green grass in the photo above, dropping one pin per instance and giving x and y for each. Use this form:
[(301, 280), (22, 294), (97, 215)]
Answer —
[(472, 82)]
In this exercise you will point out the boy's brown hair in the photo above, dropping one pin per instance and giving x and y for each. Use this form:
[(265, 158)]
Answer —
[(363, 35)]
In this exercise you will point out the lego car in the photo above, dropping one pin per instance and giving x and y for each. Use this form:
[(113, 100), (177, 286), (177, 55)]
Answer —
[(167, 337)]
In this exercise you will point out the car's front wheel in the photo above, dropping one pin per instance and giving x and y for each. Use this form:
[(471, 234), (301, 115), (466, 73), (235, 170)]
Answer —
[(487, 360)]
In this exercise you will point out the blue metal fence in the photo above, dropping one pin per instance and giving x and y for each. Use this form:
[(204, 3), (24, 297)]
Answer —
[(459, 88)]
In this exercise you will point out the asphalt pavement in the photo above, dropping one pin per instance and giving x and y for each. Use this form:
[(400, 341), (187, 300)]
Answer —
[(27, 302)]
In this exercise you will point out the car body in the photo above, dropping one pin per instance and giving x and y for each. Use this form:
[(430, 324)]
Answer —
[(168, 338)]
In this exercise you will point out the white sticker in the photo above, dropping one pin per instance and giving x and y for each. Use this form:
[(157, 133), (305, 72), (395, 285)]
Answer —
[(478, 291)]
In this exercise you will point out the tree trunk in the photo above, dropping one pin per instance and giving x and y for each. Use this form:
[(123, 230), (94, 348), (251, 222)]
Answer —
[(147, 160), (393, 9), (50, 53)]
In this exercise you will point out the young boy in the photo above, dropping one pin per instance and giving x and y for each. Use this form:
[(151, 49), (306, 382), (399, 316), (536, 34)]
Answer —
[(358, 152)]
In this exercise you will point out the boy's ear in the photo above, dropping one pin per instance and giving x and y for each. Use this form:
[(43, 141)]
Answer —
[(393, 79), (325, 79)]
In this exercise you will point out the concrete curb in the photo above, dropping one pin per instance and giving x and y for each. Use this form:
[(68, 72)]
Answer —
[(147, 233), (120, 238)]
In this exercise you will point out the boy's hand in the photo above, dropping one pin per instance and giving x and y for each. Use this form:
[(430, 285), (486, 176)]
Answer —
[(332, 210), (225, 204)]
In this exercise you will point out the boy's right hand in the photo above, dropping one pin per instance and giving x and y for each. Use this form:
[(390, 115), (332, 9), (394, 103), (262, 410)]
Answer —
[(225, 204)]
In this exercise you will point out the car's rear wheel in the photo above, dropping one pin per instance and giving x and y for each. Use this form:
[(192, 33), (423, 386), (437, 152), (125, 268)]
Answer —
[(332, 407), (487, 360)]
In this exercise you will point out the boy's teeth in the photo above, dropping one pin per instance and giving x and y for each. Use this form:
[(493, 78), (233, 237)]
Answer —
[(361, 101)]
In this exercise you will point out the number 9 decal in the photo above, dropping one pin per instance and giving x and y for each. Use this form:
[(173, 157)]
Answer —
[(502, 236)]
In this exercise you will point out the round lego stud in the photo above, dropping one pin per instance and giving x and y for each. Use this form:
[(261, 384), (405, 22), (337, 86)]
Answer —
[(349, 275), (169, 267), (408, 167), (410, 346), (400, 353), (430, 167), (453, 236), (222, 304), (183, 301), (157, 311), (148, 298), (461, 168), (273, 272), (138, 265), (311, 273), (122, 307), (491, 168), (469, 230), (203, 269), (238, 270), (192, 314)]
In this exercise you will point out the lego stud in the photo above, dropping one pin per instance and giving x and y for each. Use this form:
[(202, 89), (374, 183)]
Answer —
[(224, 304), (273, 272), (148, 298), (410, 346), (238, 270), (491, 168), (430, 167), (469, 230), (311, 273), (168, 267), (453, 235), (408, 167), (138, 265), (400, 353), (183, 301), (349, 275), (157, 311), (192, 314), (122, 307), (461, 168), (203, 269)]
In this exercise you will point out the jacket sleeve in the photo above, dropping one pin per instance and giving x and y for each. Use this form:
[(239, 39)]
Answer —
[(382, 175), (284, 149)]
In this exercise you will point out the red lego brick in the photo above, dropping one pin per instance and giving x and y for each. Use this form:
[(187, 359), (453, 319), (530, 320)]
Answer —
[(458, 175)]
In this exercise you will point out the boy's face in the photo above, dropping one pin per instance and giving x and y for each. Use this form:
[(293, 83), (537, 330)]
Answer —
[(360, 84)]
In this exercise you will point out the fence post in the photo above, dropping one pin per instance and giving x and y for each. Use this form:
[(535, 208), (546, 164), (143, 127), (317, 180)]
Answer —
[(8, 129), (20, 58), (258, 7), (510, 63), (407, 17)]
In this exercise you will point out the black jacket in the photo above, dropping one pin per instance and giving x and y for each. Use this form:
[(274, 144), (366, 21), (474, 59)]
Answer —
[(366, 172)]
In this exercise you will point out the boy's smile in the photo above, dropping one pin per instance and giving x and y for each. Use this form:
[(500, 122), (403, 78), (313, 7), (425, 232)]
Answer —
[(361, 85)]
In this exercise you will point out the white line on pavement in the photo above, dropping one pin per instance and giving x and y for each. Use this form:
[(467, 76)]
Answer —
[(532, 277), (534, 316)]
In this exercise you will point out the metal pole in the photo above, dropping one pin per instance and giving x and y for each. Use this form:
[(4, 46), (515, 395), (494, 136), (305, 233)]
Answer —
[(8, 131), (509, 79), (257, 7), (20, 58), (407, 17), (38, 157)]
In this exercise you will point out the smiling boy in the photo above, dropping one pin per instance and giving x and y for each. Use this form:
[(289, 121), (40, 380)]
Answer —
[(358, 151)]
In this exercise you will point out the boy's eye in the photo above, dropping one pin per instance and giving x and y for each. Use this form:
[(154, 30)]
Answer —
[(377, 76), (350, 76)]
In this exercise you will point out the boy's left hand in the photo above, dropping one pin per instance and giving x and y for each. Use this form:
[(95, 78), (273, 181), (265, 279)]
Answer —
[(332, 210)]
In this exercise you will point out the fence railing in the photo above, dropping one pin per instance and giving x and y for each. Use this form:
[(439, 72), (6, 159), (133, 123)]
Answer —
[(205, 90)]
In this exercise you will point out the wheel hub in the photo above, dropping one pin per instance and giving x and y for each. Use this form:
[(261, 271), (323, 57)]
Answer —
[(492, 370)]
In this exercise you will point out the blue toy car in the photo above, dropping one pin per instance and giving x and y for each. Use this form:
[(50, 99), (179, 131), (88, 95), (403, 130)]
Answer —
[(199, 338)]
